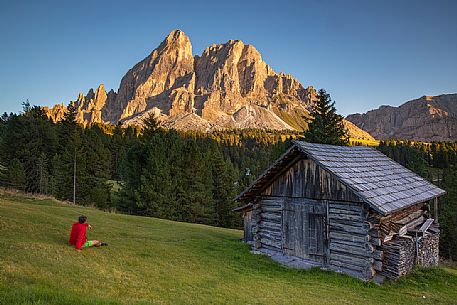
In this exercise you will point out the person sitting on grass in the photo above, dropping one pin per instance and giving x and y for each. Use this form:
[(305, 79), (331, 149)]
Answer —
[(78, 235)]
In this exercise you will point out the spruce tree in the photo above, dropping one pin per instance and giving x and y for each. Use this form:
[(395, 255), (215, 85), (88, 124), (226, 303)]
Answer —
[(448, 215), (326, 126), (16, 175)]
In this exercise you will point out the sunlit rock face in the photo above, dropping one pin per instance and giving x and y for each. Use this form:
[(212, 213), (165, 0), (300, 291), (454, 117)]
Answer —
[(429, 118), (228, 86)]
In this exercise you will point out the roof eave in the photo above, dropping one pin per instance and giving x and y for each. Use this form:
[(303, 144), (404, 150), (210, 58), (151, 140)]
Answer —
[(243, 208), (241, 196)]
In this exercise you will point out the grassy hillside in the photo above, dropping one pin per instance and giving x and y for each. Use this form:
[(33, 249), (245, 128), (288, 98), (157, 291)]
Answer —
[(153, 261)]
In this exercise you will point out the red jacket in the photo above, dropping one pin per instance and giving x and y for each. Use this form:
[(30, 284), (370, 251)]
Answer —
[(78, 235)]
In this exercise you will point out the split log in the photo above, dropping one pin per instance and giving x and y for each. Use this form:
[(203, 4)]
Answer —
[(377, 254), (377, 265), (373, 232), (376, 242)]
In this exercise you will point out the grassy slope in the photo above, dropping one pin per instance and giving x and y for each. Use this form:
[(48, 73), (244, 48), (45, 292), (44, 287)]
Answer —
[(153, 261)]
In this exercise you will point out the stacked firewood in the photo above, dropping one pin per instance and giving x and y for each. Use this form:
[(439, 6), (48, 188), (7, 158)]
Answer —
[(399, 257), (428, 248)]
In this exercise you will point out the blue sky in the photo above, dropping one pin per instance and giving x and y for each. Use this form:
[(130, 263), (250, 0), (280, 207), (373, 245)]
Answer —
[(364, 53)]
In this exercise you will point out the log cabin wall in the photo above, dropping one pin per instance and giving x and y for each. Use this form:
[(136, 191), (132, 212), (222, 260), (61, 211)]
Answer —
[(268, 214), (347, 242), (350, 247), (307, 179)]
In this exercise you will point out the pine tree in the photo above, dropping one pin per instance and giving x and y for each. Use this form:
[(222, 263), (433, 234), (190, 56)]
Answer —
[(16, 175), (448, 215), (326, 126), (224, 191)]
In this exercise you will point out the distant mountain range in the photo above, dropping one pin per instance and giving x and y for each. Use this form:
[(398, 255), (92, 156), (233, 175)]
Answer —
[(429, 118), (228, 86)]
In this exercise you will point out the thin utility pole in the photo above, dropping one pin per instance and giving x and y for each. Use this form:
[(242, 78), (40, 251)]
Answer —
[(74, 179)]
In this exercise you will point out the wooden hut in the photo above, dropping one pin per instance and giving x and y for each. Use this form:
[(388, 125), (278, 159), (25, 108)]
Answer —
[(349, 209)]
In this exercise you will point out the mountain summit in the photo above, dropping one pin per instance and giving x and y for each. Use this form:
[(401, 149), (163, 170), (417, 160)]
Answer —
[(228, 86)]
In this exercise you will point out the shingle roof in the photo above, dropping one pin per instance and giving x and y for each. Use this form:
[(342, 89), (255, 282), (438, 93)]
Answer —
[(378, 180)]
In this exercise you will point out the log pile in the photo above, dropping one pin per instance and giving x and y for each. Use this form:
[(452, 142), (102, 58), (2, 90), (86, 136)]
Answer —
[(405, 219), (428, 249), (399, 257)]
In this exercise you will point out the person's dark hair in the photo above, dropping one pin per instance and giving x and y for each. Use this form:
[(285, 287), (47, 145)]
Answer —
[(82, 219)]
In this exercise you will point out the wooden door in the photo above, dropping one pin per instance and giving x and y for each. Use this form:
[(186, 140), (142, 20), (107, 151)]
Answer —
[(247, 226), (304, 229)]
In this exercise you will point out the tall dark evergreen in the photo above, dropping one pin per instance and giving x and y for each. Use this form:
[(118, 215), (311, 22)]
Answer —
[(16, 176), (448, 215), (326, 126), (30, 138)]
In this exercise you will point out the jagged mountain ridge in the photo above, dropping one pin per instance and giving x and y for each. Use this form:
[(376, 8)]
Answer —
[(228, 86), (428, 118)]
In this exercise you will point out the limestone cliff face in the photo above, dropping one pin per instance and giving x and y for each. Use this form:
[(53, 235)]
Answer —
[(91, 106), (228, 86), (429, 118), (153, 81), (223, 87)]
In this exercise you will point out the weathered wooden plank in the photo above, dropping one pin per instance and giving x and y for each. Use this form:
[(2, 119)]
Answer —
[(350, 250), (334, 235), (410, 225), (348, 206), (362, 245), (410, 217), (349, 258), (272, 236), (349, 228), (271, 243), (272, 201), (269, 209), (426, 225), (268, 247), (346, 217), (276, 218), (270, 224), (349, 265)]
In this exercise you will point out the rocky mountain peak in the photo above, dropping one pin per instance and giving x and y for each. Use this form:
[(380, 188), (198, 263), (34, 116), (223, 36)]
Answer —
[(228, 86), (177, 41)]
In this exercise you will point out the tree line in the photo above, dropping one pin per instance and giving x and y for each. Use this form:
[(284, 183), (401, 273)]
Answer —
[(184, 176)]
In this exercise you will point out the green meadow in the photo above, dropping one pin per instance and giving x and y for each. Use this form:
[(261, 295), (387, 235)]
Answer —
[(155, 261)]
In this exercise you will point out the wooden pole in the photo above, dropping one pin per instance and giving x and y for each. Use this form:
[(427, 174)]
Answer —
[(435, 208)]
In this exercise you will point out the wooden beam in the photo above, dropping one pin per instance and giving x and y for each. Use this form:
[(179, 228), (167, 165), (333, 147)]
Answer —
[(426, 225), (435, 208)]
